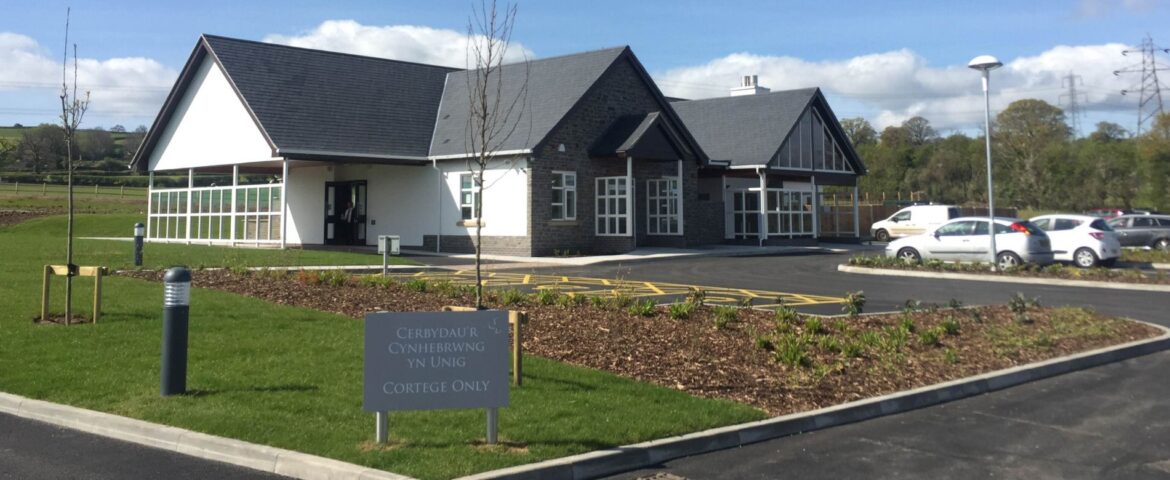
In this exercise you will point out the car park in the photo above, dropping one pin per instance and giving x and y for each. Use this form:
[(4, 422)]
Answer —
[(966, 239), (912, 220), (1084, 240), (1106, 213), (1151, 231)]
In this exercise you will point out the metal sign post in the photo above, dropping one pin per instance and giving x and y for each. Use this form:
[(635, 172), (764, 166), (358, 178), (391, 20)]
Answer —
[(493, 425), (382, 429)]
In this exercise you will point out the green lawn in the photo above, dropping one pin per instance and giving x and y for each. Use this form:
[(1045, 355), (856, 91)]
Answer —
[(291, 377), (83, 202), (1144, 256)]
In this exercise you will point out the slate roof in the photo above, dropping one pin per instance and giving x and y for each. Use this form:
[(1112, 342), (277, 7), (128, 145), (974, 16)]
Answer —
[(555, 84), (312, 100), (640, 136), (744, 130)]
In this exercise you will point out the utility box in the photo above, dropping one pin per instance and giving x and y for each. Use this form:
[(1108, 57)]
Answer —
[(388, 244)]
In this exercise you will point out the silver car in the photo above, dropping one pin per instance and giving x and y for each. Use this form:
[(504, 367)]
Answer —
[(965, 239)]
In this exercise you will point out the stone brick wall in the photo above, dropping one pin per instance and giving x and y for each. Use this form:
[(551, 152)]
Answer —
[(620, 92), (517, 246)]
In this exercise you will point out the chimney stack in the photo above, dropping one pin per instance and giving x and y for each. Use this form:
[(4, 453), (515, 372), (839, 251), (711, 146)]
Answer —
[(749, 85)]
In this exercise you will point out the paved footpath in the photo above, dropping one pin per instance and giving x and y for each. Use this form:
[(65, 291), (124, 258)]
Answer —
[(31, 449)]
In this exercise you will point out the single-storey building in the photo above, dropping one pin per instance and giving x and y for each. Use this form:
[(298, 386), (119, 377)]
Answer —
[(599, 161)]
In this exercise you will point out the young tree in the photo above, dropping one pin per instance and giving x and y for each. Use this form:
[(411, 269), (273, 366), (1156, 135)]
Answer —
[(494, 112), (72, 111)]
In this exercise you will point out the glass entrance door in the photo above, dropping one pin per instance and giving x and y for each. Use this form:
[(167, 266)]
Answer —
[(345, 213)]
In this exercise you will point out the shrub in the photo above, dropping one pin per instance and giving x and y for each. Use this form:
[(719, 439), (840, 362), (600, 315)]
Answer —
[(829, 343), (955, 304), (444, 287), (950, 325), (620, 300), (854, 302), (852, 349), (744, 302), (766, 344), (417, 284), (239, 269), (334, 278), (814, 325), (841, 326), (643, 309), (308, 278), (681, 311), (907, 324), (373, 281), (724, 315), (870, 339), (951, 357), (786, 314), (930, 337), (895, 338), (696, 296), (570, 301), (547, 296), (1018, 303), (599, 301), (790, 350), (512, 297)]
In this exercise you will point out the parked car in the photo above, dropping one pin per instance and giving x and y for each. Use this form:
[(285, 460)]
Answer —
[(1106, 213), (1143, 230), (965, 239), (912, 220), (1081, 239)]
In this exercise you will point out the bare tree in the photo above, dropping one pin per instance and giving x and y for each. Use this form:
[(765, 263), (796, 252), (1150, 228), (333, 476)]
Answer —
[(495, 111), (72, 111)]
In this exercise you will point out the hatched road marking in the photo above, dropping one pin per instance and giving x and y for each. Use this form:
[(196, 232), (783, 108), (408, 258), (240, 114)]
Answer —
[(574, 286)]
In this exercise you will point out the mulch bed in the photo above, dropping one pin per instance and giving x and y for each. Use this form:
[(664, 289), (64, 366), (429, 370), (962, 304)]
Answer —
[(13, 217), (695, 356)]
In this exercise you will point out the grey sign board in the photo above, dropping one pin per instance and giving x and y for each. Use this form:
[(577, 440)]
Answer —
[(432, 360)]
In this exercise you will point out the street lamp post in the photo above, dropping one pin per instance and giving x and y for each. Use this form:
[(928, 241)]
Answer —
[(985, 64)]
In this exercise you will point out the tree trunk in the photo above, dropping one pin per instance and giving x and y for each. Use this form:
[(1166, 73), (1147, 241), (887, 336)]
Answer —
[(69, 233)]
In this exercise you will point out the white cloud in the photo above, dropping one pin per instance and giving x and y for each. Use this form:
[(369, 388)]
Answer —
[(893, 86), (399, 42), (119, 87)]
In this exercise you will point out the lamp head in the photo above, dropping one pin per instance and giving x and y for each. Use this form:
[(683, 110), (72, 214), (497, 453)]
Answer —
[(984, 63)]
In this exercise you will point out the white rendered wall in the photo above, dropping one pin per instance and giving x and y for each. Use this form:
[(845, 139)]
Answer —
[(209, 127), (505, 198), (400, 200), (306, 204)]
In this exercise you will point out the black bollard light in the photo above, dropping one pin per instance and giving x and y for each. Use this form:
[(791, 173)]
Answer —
[(176, 307), (139, 232)]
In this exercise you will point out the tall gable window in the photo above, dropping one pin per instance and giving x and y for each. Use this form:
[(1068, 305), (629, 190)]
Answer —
[(564, 196), (812, 146), (662, 209)]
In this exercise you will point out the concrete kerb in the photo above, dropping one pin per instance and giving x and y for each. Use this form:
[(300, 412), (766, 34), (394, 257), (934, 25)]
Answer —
[(640, 455), (1141, 287), (187, 442)]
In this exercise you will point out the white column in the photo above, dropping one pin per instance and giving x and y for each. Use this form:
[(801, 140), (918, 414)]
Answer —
[(681, 198), (235, 183), (149, 201), (816, 194), (856, 212), (763, 224), (190, 186), (283, 204), (630, 198)]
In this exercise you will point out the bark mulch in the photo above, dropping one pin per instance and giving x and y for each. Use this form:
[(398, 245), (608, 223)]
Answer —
[(13, 217), (780, 366)]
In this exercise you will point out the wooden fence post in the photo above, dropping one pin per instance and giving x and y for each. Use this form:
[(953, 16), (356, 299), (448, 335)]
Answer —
[(516, 318), (44, 186)]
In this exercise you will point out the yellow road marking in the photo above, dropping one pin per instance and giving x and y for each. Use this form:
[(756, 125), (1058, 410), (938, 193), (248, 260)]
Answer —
[(659, 291), (528, 278)]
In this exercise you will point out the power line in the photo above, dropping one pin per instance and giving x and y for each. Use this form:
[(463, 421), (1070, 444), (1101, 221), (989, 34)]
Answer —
[(1148, 88)]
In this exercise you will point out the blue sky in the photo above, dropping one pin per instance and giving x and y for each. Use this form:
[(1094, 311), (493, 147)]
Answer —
[(883, 60)]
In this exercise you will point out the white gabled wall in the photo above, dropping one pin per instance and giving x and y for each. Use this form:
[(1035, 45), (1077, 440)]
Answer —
[(210, 126)]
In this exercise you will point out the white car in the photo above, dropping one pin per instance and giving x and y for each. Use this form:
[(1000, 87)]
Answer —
[(1081, 239), (965, 239)]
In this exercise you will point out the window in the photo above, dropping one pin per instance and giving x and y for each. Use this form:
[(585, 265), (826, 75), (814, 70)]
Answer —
[(469, 201), (902, 216), (1064, 224), (789, 212), (1143, 222), (745, 212), (1044, 224), (662, 213), (613, 211), (957, 229), (564, 196)]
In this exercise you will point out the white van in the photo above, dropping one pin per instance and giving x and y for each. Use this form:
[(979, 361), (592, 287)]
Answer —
[(912, 220)]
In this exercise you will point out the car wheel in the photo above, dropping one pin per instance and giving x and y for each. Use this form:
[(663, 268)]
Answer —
[(881, 236), (1162, 244), (1085, 258), (909, 255), (1007, 260)]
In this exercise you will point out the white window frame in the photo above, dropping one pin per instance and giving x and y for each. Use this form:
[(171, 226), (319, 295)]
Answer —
[(619, 198), (568, 191), (789, 205), (658, 190), (477, 203), (744, 214)]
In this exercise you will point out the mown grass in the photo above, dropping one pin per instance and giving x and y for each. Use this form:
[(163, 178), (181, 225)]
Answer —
[(1144, 256), (291, 377), (85, 201), (119, 254)]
